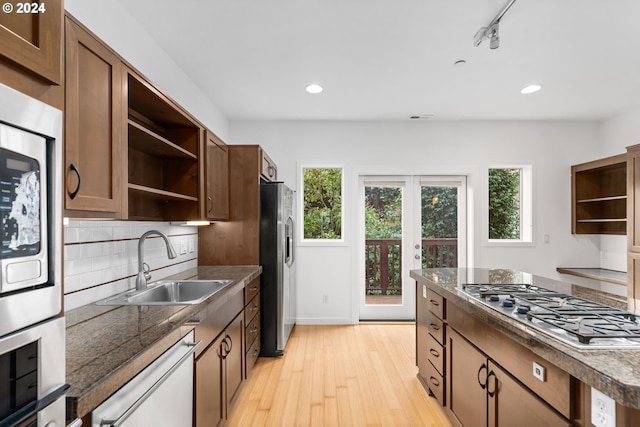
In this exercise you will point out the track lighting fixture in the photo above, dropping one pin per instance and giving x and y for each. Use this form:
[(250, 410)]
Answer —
[(491, 31)]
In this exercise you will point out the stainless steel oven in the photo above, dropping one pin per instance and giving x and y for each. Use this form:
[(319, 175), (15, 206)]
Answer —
[(30, 211), (32, 331), (32, 376)]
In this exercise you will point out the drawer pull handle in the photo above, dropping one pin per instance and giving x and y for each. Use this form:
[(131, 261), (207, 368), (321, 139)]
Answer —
[(434, 381), (489, 392), (434, 352), (485, 368), (434, 302), (434, 326), (255, 288), (254, 330)]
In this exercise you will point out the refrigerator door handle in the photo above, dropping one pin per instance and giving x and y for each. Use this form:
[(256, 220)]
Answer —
[(289, 255)]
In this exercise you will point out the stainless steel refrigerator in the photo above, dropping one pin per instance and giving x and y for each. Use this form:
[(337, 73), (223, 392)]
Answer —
[(277, 283)]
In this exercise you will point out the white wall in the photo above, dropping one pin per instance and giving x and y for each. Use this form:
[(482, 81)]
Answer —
[(617, 134), (117, 28), (432, 148)]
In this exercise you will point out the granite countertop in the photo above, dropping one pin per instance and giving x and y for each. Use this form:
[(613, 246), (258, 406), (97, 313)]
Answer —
[(616, 373), (108, 345)]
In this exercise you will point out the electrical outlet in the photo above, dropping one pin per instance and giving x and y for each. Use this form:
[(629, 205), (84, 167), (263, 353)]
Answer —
[(539, 371), (192, 245), (325, 299), (603, 409), (603, 254), (183, 246)]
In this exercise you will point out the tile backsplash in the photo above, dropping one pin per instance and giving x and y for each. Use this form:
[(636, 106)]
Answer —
[(101, 257)]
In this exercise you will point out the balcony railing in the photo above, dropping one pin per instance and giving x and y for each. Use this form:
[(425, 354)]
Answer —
[(384, 262)]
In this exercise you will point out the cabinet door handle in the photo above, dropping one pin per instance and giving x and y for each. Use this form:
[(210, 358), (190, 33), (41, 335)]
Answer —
[(489, 375), (254, 330), (253, 289), (434, 381), (229, 344), (482, 367), (434, 326), (74, 193), (434, 352), (209, 204)]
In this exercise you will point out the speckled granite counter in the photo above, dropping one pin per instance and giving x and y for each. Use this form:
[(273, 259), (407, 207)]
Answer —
[(108, 345), (614, 372)]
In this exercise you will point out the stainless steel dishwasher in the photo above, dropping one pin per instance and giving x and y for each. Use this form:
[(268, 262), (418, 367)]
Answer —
[(161, 395)]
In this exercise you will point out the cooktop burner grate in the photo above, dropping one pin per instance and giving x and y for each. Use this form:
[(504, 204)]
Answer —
[(560, 314)]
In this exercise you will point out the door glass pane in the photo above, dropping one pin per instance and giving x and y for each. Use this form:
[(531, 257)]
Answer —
[(383, 244), (439, 226)]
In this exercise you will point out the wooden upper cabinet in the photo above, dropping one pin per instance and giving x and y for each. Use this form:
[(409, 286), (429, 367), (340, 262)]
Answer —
[(268, 168), (31, 36), (217, 178), (93, 126), (633, 197), (599, 196)]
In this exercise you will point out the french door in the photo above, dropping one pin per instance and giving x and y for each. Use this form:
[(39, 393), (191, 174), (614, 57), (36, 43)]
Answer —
[(407, 222)]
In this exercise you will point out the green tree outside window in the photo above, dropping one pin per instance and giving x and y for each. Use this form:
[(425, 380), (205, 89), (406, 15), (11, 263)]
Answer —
[(322, 203), (504, 203)]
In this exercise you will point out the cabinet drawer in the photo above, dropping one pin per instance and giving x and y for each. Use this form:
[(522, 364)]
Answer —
[(252, 356), (436, 304), (436, 327), (435, 382), (252, 331), (251, 290), (436, 354), (251, 309)]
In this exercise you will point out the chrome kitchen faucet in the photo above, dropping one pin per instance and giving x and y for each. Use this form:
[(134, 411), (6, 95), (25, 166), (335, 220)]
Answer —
[(143, 268)]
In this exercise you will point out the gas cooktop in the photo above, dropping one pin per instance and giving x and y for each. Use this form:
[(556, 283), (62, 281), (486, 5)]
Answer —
[(578, 322)]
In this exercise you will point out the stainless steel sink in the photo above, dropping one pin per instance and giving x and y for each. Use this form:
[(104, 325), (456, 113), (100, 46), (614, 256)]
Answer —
[(169, 292)]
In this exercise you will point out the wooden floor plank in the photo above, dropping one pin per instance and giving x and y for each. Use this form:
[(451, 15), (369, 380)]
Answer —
[(340, 376)]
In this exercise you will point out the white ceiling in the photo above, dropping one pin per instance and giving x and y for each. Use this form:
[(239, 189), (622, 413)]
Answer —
[(390, 59)]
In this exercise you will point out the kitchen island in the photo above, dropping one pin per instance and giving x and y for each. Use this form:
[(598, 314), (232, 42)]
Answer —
[(109, 345), (451, 323)]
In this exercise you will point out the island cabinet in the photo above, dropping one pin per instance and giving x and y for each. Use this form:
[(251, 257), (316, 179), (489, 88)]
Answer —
[(430, 342), (219, 367), (30, 36), (237, 240), (491, 379)]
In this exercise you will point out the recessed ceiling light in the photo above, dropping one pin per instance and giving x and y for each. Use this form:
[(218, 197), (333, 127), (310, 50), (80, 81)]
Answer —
[(530, 89), (314, 88)]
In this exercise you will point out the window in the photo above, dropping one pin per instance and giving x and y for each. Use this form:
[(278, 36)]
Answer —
[(510, 204), (322, 203)]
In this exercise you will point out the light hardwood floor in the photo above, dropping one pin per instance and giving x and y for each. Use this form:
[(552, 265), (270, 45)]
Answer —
[(335, 376)]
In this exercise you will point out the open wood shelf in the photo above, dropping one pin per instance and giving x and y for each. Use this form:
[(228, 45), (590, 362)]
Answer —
[(164, 150), (599, 196), (146, 140)]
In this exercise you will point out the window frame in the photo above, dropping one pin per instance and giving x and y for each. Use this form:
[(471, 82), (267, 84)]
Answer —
[(302, 241), (526, 207)]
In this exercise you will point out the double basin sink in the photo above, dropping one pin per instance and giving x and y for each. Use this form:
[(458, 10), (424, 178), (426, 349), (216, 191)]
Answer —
[(169, 292)]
